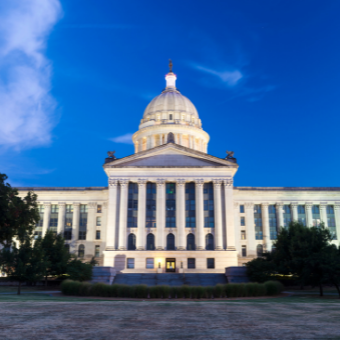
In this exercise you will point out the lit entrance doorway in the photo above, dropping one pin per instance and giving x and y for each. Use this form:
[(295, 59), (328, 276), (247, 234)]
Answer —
[(170, 265)]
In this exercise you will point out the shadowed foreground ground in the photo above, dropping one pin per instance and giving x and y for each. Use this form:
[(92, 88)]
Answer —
[(38, 317)]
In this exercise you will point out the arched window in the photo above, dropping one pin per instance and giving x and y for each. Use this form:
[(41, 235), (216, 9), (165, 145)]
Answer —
[(132, 242), (191, 242), (209, 242), (259, 250), (81, 251), (170, 242), (150, 242)]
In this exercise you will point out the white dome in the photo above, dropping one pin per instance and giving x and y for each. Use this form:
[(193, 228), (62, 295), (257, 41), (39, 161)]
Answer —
[(170, 101)]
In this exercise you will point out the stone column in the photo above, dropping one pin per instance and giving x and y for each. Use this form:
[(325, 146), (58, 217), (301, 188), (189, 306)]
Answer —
[(337, 218), (266, 229), (279, 216), (309, 215), (153, 141), (141, 214), (91, 222), (136, 147), (190, 141), (75, 221), (61, 217), (293, 207), (180, 213), (218, 215), (250, 225), (180, 139), (160, 214), (124, 184), (47, 215), (199, 184), (229, 211), (112, 215), (140, 145), (237, 226), (323, 213)]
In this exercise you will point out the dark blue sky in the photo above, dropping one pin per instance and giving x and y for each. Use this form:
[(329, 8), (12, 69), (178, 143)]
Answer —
[(263, 75)]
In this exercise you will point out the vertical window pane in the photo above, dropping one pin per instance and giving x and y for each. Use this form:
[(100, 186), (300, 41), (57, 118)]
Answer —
[(331, 221), (241, 209), (190, 205), (302, 214), (170, 205), (150, 205), (132, 205), (208, 196), (272, 222), (258, 222), (210, 263), (316, 215), (130, 263), (287, 217)]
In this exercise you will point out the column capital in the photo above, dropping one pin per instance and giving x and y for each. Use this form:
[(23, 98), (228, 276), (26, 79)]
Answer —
[(249, 205), (323, 205), (236, 205), (217, 182), (123, 182), (142, 181), (199, 181), (61, 203), (294, 204), (279, 204), (92, 205), (265, 204), (309, 205), (180, 182), (47, 204), (104, 204), (337, 206), (160, 181), (113, 182), (228, 182), (76, 204)]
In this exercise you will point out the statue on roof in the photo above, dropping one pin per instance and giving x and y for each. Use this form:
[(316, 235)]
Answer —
[(170, 65), (111, 154), (230, 155)]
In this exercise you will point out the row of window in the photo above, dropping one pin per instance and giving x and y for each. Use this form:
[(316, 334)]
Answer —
[(81, 250), (287, 218), (150, 263), (81, 235), (259, 250), (170, 242)]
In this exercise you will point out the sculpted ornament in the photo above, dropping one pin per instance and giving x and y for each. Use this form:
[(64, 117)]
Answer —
[(123, 182), (93, 205), (160, 181), (180, 182), (249, 205), (199, 181), (217, 182), (113, 182), (142, 181), (228, 183)]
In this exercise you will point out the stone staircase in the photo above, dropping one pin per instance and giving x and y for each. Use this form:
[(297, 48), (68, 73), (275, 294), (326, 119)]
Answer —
[(172, 279)]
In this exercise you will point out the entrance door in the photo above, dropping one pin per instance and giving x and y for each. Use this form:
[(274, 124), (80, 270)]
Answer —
[(170, 265)]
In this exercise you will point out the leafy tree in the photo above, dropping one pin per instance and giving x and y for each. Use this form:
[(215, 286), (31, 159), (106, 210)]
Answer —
[(19, 216), (79, 271), (55, 254), (261, 269), (23, 263)]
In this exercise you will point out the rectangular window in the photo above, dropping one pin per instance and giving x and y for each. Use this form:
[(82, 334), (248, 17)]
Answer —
[(150, 205), (68, 235), (302, 214), (97, 251), (287, 217), (244, 251), (243, 235), (258, 222), (191, 263), (242, 221), (54, 218), (170, 117), (272, 222), (190, 205), (170, 205), (97, 234), (210, 263), (98, 221), (208, 196), (39, 225), (99, 209), (331, 221), (316, 215), (130, 263), (241, 209), (132, 205), (150, 263), (82, 235)]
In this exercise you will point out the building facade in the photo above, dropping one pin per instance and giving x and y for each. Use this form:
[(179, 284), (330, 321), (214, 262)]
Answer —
[(172, 207)]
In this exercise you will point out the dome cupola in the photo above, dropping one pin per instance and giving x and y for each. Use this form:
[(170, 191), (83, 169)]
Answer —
[(170, 112)]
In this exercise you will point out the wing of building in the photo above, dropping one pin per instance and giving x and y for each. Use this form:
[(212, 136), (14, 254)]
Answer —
[(171, 206)]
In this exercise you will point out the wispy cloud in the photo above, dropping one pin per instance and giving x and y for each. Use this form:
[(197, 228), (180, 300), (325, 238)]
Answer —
[(105, 26), (230, 78), (27, 109), (125, 139)]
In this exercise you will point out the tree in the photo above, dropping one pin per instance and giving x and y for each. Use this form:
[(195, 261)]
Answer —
[(55, 254), (19, 216), (25, 262), (79, 271), (261, 269)]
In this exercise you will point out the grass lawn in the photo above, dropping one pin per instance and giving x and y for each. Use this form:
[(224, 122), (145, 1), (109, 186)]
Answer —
[(38, 316)]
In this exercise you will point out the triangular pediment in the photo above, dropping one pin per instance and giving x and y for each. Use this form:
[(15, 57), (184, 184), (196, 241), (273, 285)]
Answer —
[(170, 155)]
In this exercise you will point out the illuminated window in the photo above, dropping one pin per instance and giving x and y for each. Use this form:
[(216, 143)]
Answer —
[(99, 209), (243, 235)]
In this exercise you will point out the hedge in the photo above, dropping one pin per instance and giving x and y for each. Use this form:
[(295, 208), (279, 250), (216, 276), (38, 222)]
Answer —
[(230, 290)]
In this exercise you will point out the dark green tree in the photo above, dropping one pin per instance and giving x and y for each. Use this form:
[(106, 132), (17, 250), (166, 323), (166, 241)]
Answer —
[(79, 271), (18, 216), (261, 269), (55, 254)]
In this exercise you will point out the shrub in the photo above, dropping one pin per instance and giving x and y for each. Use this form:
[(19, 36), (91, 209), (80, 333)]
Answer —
[(122, 291), (186, 291), (165, 291), (174, 292), (250, 289), (85, 289), (218, 290), (114, 290), (273, 287), (69, 287), (201, 292), (261, 289), (209, 292), (194, 292), (180, 292), (141, 291), (153, 292)]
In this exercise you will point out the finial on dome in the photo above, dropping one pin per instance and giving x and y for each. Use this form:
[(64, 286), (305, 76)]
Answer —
[(170, 65)]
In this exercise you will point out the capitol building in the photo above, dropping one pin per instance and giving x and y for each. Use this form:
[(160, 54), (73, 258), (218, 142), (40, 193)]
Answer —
[(172, 207)]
